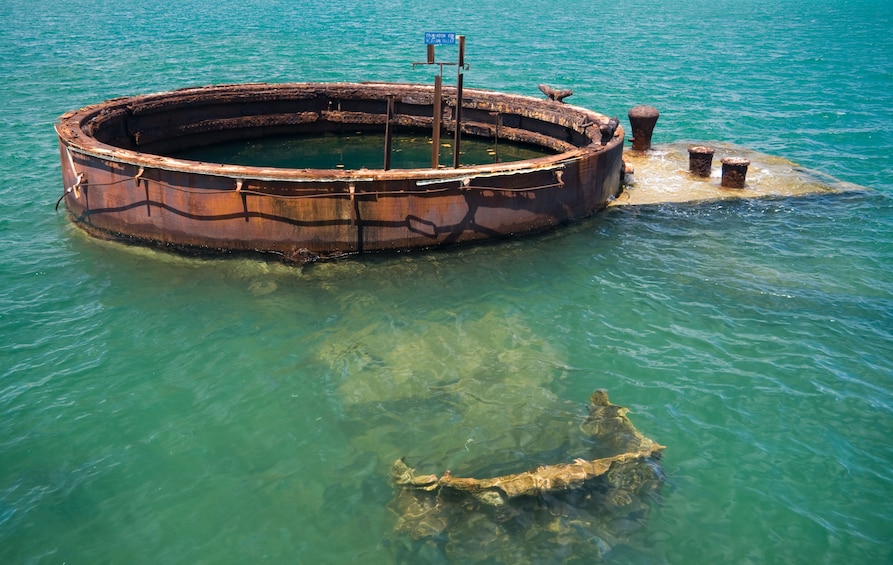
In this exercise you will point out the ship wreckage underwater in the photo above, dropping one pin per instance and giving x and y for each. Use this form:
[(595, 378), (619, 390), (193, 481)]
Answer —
[(587, 505), (131, 173)]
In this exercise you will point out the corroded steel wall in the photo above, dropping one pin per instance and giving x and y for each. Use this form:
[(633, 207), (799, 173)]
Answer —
[(119, 183)]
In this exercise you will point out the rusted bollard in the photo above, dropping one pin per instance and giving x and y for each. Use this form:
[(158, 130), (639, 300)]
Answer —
[(734, 169), (700, 159), (642, 120)]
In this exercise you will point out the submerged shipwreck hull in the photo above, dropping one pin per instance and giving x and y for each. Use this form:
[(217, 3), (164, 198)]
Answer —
[(581, 500), (121, 182)]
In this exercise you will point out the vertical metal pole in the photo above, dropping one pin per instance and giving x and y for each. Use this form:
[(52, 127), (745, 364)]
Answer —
[(437, 108), (458, 134), (498, 118), (387, 134)]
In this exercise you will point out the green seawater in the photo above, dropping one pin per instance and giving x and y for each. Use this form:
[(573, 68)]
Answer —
[(162, 409), (359, 150)]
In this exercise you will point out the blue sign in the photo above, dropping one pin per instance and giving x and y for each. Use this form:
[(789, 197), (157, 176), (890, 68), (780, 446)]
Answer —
[(440, 38)]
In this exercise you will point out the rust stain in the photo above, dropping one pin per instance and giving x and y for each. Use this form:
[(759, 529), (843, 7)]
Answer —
[(120, 182)]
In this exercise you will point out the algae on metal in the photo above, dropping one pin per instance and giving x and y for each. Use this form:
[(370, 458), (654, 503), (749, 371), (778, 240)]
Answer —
[(661, 175), (489, 375), (387, 361), (592, 502), (477, 391)]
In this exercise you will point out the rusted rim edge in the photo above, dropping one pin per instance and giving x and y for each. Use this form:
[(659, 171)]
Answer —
[(70, 131)]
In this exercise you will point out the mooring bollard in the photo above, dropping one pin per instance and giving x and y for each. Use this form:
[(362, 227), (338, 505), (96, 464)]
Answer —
[(700, 159), (734, 169), (642, 120)]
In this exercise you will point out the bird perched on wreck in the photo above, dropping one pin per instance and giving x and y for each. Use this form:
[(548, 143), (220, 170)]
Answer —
[(557, 95), (607, 129)]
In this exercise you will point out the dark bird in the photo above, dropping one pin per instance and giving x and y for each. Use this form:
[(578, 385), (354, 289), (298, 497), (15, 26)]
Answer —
[(557, 95), (608, 128)]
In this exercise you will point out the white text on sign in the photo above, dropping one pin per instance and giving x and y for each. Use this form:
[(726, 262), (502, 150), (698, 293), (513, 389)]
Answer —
[(440, 38)]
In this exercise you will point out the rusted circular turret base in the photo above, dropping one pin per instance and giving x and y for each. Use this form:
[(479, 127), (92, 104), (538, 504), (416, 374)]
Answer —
[(122, 179)]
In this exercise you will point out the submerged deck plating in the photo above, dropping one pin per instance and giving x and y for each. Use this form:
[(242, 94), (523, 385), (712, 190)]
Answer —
[(119, 183)]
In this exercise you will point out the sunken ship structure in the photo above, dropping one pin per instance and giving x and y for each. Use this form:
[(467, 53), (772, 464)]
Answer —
[(122, 181)]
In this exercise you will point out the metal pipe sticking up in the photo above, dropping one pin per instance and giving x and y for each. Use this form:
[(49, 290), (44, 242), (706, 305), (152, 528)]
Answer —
[(437, 111), (734, 171), (460, 73), (497, 118), (642, 120), (700, 160), (388, 133)]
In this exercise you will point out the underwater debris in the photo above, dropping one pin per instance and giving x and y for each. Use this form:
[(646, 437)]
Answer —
[(428, 505)]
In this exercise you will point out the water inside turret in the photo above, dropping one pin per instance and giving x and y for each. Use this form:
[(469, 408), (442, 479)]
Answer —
[(358, 150)]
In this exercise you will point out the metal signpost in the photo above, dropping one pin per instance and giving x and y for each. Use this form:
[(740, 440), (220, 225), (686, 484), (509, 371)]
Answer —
[(440, 38), (432, 39), (388, 133)]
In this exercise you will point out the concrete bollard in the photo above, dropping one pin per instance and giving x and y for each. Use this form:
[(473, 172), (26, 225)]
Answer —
[(642, 120), (734, 169), (700, 159)]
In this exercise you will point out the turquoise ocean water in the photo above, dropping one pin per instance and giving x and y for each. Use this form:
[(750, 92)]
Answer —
[(161, 409)]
